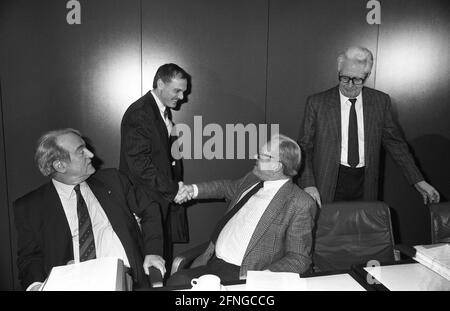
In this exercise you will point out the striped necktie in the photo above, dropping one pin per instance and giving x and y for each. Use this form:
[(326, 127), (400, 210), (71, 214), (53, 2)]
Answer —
[(85, 233)]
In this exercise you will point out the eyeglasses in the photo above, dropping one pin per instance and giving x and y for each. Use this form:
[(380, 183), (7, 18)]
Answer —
[(266, 157), (355, 80)]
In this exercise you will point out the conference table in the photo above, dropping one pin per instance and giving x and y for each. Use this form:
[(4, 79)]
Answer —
[(404, 275), (348, 281)]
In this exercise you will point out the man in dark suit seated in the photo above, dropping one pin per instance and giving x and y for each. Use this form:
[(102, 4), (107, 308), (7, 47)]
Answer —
[(79, 215), (268, 222), (343, 130)]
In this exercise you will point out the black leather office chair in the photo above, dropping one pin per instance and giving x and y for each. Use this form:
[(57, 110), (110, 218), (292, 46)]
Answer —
[(350, 233), (440, 222)]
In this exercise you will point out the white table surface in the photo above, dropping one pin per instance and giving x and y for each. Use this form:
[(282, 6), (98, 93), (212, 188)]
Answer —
[(337, 282), (409, 277)]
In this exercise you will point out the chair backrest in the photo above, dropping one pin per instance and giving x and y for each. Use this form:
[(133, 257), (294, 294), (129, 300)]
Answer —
[(350, 233), (440, 222)]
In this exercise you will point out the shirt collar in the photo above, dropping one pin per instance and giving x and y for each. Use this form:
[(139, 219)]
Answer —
[(270, 184), (64, 190), (345, 99), (160, 105)]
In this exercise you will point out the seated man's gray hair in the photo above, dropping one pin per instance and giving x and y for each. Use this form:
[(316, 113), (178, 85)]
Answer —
[(290, 154), (48, 151)]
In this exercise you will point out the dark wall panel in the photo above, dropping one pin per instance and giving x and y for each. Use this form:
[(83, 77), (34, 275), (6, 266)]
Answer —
[(6, 264), (305, 38), (222, 44), (414, 68), (57, 75)]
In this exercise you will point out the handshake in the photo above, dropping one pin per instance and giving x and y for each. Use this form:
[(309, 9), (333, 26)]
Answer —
[(185, 193)]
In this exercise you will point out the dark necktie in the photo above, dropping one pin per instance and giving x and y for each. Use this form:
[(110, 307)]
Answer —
[(85, 233), (353, 149), (221, 224), (167, 121)]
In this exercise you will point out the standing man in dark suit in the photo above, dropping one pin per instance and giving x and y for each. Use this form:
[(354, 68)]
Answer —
[(268, 224), (343, 130), (80, 215), (145, 153)]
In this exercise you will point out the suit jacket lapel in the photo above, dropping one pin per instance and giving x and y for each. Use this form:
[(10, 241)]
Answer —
[(334, 117), (272, 210), (250, 181), (159, 122), (103, 195), (55, 213), (117, 214)]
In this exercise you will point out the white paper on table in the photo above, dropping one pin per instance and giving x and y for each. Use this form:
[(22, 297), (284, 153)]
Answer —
[(409, 277), (274, 281), (436, 257), (334, 282), (101, 274)]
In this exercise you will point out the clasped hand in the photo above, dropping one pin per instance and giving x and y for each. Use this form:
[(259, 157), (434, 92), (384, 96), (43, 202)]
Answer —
[(185, 193)]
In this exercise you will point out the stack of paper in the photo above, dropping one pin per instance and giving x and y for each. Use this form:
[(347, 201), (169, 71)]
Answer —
[(274, 281), (436, 257), (102, 274)]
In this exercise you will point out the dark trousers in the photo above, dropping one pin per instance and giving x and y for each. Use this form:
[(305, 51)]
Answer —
[(168, 246), (350, 184), (224, 270)]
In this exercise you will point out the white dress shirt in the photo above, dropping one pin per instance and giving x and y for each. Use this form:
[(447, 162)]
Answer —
[(163, 108), (107, 243), (345, 115), (236, 234)]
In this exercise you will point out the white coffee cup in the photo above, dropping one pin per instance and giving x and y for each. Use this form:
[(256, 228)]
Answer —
[(207, 282)]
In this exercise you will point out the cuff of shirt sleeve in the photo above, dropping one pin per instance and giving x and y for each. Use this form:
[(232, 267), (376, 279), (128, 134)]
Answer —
[(195, 191)]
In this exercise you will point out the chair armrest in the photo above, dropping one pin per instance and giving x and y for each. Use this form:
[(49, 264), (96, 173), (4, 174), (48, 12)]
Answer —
[(185, 259), (405, 250)]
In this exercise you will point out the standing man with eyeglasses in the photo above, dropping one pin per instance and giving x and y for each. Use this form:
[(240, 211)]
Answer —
[(343, 130)]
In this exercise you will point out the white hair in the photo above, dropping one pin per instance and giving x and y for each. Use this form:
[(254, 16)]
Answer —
[(357, 54)]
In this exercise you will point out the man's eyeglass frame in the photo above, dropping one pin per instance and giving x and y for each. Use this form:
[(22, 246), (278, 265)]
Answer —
[(266, 157), (355, 80)]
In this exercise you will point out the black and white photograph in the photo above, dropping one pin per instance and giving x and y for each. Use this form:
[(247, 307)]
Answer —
[(220, 153)]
